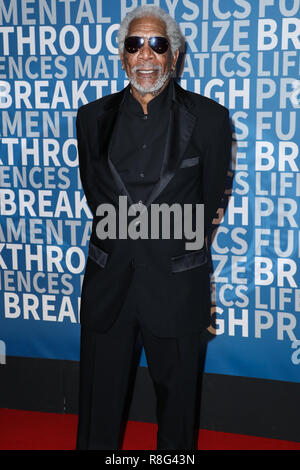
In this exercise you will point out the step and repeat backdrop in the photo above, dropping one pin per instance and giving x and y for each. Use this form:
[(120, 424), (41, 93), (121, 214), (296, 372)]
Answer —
[(56, 55)]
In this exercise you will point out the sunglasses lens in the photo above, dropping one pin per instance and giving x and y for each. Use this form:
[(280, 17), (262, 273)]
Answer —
[(133, 44), (158, 44)]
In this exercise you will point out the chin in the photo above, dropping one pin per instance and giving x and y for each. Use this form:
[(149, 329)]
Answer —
[(144, 90), (150, 89)]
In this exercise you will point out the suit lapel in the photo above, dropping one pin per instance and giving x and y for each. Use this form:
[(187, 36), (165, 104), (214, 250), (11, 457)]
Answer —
[(180, 128), (107, 128)]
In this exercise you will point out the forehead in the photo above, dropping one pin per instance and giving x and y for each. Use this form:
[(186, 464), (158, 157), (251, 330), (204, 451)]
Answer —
[(147, 26)]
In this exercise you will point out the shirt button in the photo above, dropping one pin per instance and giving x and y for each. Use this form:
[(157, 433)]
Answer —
[(144, 146)]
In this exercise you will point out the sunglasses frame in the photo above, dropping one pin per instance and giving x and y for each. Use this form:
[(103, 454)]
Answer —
[(142, 43)]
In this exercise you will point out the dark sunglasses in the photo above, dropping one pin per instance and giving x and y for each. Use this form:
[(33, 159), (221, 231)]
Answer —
[(158, 44)]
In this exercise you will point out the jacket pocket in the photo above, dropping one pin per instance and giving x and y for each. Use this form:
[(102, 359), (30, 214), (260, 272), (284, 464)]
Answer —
[(187, 162), (189, 260), (97, 255)]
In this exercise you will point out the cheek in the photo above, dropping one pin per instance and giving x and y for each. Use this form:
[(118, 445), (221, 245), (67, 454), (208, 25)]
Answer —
[(166, 64), (129, 62)]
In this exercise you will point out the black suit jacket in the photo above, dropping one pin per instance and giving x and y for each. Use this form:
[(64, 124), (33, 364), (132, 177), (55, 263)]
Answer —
[(171, 284)]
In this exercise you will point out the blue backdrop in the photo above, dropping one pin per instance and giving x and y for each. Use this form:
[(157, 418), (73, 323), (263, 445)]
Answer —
[(56, 55)]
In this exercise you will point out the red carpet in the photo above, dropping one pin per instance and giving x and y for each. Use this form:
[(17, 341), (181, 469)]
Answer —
[(28, 430)]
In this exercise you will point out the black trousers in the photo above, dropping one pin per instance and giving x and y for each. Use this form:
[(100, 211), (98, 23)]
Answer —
[(108, 363)]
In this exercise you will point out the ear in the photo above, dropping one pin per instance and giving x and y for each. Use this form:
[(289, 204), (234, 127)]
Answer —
[(122, 60), (174, 59)]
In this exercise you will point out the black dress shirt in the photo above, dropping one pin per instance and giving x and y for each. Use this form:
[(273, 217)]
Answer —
[(139, 145)]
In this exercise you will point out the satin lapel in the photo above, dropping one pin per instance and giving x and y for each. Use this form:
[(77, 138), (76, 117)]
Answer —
[(107, 128), (181, 125)]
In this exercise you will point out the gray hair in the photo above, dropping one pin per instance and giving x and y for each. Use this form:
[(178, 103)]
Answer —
[(173, 31)]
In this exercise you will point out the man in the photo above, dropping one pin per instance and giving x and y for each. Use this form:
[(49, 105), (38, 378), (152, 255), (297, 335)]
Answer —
[(153, 143)]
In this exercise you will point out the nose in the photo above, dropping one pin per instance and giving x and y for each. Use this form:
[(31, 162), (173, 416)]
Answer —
[(146, 52)]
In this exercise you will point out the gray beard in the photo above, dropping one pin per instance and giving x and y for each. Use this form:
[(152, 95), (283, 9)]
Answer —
[(154, 88)]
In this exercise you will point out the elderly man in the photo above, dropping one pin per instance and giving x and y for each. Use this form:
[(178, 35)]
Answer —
[(151, 143)]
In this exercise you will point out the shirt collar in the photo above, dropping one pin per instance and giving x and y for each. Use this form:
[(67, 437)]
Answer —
[(160, 103)]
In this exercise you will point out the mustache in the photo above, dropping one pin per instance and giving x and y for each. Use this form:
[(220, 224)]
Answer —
[(136, 68)]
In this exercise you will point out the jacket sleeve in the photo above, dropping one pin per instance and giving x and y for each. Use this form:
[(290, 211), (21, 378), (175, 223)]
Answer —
[(216, 163), (85, 170)]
